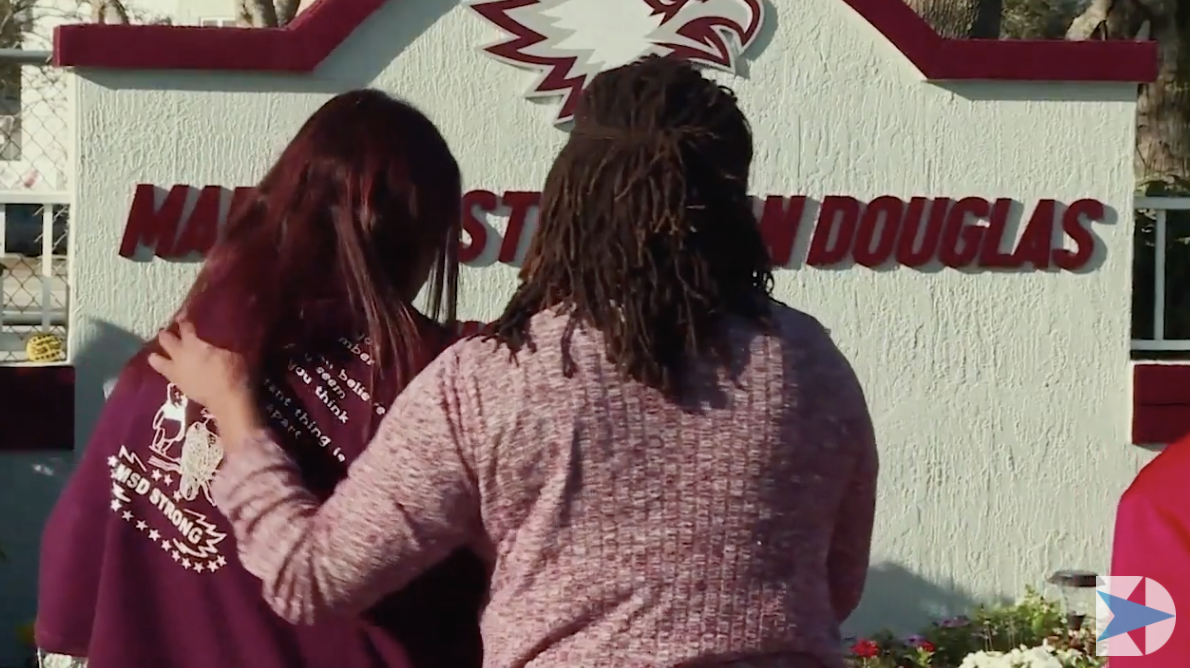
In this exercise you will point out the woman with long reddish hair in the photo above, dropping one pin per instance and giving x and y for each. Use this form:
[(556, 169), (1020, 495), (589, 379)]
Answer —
[(313, 281)]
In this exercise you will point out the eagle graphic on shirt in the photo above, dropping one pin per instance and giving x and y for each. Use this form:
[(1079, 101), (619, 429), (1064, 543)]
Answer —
[(163, 491), (167, 496)]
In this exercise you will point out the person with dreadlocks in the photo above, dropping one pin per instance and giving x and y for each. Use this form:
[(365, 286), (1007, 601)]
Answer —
[(662, 465)]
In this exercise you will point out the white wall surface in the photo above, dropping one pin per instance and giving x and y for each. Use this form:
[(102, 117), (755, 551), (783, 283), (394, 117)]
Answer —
[(191, 12), (1001, 399)]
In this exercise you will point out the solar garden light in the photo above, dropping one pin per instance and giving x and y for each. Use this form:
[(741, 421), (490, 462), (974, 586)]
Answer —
[(1078, 595)]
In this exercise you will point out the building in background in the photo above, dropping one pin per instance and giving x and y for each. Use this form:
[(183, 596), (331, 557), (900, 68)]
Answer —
[(35, 131)]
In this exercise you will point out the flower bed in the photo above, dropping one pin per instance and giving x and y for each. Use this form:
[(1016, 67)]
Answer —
[(1031, 633)]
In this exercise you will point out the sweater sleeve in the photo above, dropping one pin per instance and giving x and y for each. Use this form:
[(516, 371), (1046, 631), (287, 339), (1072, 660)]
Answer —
[(851, 542), (408, 501), (72, 544)]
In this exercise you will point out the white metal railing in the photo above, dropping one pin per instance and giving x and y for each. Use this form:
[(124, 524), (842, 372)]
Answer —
[(33, 269), (1159, 208)]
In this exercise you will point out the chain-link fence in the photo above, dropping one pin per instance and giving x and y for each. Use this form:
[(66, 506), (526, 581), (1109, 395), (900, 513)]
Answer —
[(34, 208)]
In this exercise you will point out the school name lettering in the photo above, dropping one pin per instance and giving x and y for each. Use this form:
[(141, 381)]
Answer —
[(967, 232)]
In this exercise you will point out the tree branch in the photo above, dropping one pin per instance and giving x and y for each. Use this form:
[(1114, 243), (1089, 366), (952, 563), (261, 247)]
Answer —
[(287, 10), (108, 11)]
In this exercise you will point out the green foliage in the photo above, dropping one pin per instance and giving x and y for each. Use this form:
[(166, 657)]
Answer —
[(1170, 186), (1031, 622), (15, 19)]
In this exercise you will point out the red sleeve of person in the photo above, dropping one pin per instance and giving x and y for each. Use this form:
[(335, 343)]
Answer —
[(1152, 540)]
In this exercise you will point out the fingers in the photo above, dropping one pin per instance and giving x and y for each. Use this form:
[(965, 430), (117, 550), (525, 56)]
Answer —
[(186, 328), (161, 364), (170, 343)]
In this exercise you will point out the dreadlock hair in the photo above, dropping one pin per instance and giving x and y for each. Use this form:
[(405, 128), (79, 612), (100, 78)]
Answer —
[(647, 232)]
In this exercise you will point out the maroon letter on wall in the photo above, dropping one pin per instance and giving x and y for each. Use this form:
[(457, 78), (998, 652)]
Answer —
[(240, 198), (991, 256), (839, 213), (960, 240), (1078, 229), (152, 226), (779, 223), (1038, 238), (486, 201), (520, 204), (909, 252), (878, 228), (202, 227)]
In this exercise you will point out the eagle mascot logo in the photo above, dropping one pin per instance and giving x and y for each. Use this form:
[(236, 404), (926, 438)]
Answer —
[(567, 42)]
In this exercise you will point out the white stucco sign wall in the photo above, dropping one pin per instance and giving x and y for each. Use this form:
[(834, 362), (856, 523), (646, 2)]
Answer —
[(995, 360)]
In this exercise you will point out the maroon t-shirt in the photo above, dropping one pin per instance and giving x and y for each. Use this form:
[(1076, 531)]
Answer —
[(139, 569)]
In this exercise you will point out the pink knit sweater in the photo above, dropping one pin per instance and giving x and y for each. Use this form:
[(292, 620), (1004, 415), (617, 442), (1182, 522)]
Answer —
[(622, 530)]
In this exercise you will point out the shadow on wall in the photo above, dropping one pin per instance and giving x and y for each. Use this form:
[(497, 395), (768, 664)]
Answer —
[(100, 361), (1079, 91), (32, 483), (897, 599)]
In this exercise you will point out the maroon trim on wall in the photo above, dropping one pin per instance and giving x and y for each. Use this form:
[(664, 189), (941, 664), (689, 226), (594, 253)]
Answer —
[(36, 408), (316, 32), (1160, 403)]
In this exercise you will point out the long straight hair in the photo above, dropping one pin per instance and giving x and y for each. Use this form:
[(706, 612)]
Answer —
[(336, 240)]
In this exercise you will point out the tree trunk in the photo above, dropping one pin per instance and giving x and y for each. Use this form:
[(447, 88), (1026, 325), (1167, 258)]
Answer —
[(287, 10), (1162, 159), (108, 11), (1163, 107), (961, 19), (256, 13), (1038, 19)]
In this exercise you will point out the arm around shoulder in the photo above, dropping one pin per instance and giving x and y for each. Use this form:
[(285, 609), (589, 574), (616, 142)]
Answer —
[(407, 502)]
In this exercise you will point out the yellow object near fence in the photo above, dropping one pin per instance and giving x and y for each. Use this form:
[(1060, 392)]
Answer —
[(45, 348)]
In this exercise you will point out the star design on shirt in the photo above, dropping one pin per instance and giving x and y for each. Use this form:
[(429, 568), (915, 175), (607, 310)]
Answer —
[(169, 479), (154, 535), (141, 525), (177, 496), (165, 545), (116, 505), (112, 462), (187, 564), (220, 561), (212, 566), (156, 474), (176, 555), (127, 516)]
